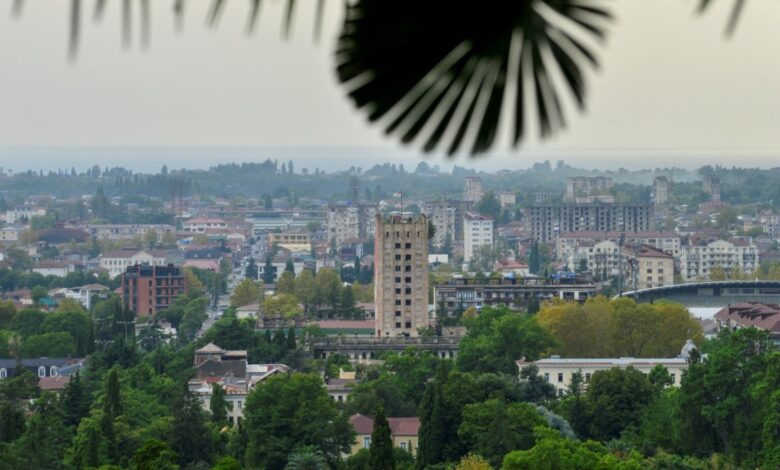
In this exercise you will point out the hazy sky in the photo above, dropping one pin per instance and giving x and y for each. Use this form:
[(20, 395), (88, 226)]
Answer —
[(670, 83)]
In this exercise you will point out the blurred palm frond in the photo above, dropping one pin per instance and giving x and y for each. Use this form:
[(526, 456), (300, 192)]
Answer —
[(736, 11), (444, 66)]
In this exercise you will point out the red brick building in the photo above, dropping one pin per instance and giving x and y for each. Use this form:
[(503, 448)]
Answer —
[(148, 289)]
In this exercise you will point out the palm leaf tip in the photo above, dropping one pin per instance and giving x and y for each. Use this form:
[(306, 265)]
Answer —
[(403, 51)]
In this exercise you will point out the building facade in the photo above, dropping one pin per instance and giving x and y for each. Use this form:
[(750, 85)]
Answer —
[(401, 274), (472, 188), (443, 217), (588, 189), (559, 371), (477, 232), (711, 186), (127, 231), (567, 243), (662, 188), (116, 262), (698, 261), (403, 432), (148, 289), (459, 294), (350, 221), (547, 221), (648, 267)]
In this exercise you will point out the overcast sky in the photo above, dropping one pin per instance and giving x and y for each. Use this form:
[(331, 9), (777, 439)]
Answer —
[(670, 83)]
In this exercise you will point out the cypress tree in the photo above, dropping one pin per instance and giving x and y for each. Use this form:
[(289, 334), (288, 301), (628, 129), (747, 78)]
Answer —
[(291, 345), (218, 405), (289, 266), (74, 402), (113, 402), (268, 275), (380, 454), (431, 443)]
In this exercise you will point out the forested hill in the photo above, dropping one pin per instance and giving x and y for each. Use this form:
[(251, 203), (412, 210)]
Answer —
[(381, 181)]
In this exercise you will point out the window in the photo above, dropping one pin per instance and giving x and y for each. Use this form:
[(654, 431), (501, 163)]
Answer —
[(398, 301), (41, 371), (408, 279), (408, 246), (403, 445), (53, 371), (560, 376), (408, 324), (366, 442), (674, 379), (408, 257), (398, 324), (587, 377), (398, 245), (397, 313), (408, 269), (398, 290), (408, 290), (408, 302), (398, 257), (398, 279), (560, 392), (546, 377), (398, 268), (3, 373)]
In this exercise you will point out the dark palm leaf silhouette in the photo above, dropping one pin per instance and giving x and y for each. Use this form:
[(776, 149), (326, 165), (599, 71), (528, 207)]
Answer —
[(446, 64), (735, 12)]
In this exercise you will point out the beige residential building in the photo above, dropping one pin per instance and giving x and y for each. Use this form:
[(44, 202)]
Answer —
[(403, 431), (401, 274), (559, 371), (507, 199), (293, 241), (350, 221), (588, 189), (648, 267), (568, 243), (127, 231), (443, 217)]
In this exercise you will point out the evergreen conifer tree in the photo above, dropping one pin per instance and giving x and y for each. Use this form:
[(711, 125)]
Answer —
[(380, 454)]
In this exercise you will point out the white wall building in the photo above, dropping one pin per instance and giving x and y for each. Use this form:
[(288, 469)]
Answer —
[(13, 216), (477, 232), (117, 261), (559, 371), (201, 224), (698, 261)]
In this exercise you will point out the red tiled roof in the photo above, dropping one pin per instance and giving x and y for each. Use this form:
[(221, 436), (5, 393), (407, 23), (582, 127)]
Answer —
[(747, 314), (53, 383), (409, 426)]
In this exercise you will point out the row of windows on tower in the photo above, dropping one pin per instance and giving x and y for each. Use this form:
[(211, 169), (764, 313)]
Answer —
[(406, 257), (406, 325), (406, 302), (407, 246), (398, 235), (407, 269)]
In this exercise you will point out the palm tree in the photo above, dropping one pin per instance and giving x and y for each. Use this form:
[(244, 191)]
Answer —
[(306, 458)]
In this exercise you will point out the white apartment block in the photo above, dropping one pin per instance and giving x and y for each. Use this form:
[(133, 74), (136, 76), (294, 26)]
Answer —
[(559, 371), (602, 257), (345, 222), (116, 262), (13, 216), (662, 188), (10, 233), (567, 243), (698, 261), (443, 218), (477, 232)]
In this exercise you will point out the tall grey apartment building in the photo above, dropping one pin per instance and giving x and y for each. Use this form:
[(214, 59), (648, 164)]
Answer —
[(548, 220)]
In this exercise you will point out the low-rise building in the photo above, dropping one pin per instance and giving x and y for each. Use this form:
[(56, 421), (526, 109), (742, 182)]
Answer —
[(202, 224), (55, 268), (128, 231), (10, 233), (462, 293), (764, 316), (559, 371), (231, 371), (649, 267), (42, 366), (296, 242), (403, 431)]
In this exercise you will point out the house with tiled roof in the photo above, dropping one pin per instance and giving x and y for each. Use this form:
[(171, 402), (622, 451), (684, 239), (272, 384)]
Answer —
[(403, 431), (764, 316)]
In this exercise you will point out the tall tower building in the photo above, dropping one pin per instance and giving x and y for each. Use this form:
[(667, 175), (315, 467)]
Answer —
[(401, 274), (712, 187), (472, 189), (662, 186)]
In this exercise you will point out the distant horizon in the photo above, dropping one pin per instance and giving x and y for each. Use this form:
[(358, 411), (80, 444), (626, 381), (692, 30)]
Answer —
[(151, 158)]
